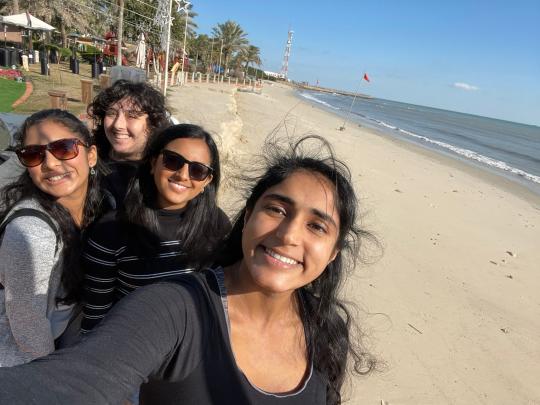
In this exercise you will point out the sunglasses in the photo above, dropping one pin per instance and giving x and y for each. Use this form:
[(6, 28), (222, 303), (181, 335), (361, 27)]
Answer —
[(62, 149), (174, 162)]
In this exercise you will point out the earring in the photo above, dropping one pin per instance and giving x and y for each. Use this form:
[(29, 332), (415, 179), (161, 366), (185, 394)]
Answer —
[(92, 171)]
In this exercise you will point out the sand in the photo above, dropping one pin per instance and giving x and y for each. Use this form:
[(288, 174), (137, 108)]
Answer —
[(452, 306)]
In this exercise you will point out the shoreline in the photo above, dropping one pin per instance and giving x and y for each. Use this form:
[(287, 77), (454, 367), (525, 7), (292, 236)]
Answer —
[(509, 182)]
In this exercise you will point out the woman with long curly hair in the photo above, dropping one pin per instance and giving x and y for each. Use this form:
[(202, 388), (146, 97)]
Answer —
[(126, 116)]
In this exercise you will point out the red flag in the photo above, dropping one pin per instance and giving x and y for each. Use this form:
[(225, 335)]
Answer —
[(366, 78)]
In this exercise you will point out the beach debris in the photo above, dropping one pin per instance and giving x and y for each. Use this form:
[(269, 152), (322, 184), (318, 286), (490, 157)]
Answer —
[(510, 253), (495, 263), (505, 330), (397, 190), (455, 191), (414, 328), (509, 276)]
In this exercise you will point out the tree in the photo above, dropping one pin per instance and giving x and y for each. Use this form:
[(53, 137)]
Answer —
[(251, 54), (233, 36)]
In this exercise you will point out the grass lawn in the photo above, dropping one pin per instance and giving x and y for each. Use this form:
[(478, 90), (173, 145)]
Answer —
[(11, 91)]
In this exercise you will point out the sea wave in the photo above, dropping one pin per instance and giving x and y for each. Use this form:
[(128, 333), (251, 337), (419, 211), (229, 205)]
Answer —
[(312, 98), (465, 152)]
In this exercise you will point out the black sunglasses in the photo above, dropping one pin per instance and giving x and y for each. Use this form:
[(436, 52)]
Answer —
[(173, 161), (62, 149)]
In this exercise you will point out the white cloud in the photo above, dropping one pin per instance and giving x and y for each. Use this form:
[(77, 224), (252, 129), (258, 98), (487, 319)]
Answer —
[(465, 86)]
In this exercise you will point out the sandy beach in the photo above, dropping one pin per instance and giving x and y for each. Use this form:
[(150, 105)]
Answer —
[(452, 305)]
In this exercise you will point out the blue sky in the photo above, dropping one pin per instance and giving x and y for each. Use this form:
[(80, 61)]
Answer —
[(477, 57)]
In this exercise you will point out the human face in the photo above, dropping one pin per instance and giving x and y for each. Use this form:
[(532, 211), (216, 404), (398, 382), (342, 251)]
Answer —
[(176, 189), (67, 180), (126, 129), (290, 235)]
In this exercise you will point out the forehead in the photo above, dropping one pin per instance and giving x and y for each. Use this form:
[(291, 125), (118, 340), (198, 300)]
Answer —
[(308, 190), (47, 131), (127, 103), (192, 149)]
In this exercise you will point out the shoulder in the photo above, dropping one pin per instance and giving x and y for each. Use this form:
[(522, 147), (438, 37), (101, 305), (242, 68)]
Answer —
[(36, 222)]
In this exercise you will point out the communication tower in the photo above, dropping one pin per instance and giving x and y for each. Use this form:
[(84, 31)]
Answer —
[(285, 64)]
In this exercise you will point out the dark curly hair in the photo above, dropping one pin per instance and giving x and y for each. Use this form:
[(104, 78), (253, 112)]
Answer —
[(142, 95), (328, 323), (24, 188)]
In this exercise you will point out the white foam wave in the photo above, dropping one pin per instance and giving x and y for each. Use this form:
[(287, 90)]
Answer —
[(467, 153), (312, 98)]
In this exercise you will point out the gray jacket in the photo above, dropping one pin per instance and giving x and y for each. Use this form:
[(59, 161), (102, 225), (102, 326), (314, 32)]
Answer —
[(30, 271)]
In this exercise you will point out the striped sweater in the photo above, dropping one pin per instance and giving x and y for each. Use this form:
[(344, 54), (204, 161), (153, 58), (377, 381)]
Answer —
[(114, 268)]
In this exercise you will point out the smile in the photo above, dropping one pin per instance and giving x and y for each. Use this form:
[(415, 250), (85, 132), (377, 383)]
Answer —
[(283, 259), (57, 177), (177, 186)]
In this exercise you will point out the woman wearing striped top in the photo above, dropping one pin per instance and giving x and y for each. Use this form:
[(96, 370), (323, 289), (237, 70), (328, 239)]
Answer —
[(169, 224)]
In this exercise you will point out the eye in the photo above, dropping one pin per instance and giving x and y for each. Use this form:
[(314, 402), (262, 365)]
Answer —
[(134, 114), (275, 210), (111, 113), (318, 227)]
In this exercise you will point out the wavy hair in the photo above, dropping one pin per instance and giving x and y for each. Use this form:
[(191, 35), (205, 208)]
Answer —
[(142, 95), (24, 188), (330, 328), (202, 219)]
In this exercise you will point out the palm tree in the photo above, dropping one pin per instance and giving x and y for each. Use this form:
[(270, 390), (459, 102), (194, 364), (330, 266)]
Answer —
[(251, 54), (233, 36)]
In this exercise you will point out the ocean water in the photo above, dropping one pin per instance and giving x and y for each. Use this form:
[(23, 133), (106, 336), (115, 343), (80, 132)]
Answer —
[(507, 148)]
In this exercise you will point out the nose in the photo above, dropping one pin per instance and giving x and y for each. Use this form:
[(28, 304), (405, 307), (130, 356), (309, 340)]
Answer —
[(290, 231), (183, 172), (49, 162), (120, 120)]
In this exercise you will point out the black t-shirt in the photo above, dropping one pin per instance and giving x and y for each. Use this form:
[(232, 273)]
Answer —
[(175, 333)]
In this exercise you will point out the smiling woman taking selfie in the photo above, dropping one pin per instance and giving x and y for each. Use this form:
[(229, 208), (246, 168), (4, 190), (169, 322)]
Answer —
[(42, 215), (267, 328)]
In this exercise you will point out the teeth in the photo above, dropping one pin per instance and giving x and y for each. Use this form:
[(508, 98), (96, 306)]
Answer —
[(177, 186), (59, 177), (286, 260)]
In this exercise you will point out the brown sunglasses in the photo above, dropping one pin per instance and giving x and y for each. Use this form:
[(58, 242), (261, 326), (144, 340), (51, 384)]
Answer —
[(62, 149)]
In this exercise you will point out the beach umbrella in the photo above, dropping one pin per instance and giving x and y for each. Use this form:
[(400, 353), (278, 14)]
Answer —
[(28, 21), (141, 52)]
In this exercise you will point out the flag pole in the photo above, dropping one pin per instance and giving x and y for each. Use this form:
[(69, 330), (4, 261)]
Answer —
[(365, 77), (342, 128)]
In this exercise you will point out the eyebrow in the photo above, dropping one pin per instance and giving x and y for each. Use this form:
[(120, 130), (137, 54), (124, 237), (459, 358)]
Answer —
[(288, 200)]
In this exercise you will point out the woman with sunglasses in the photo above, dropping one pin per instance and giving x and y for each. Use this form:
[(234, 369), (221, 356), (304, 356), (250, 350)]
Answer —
[(126, 115), (268, 328), (42, 214), (169, 225)]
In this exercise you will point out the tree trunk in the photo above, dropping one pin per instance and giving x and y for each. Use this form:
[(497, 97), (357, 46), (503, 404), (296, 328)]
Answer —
[(15, 6), (63, 32)]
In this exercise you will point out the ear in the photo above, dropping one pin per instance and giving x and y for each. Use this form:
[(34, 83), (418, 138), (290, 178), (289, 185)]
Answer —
[(208, 180), (334, 255), (92, 155)]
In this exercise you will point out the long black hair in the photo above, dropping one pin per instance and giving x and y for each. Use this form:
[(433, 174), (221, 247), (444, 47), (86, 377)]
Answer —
[(24, 188), (327, 321), (142, 95), (202, 219)]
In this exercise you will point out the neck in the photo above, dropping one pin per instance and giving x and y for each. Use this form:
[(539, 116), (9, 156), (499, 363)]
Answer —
[(255, 304), (119, 157), (75, 207)]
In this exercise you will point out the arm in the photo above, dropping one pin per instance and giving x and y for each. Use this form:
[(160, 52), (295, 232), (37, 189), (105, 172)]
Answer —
[(141, 334), (101, 272), (27, 258)]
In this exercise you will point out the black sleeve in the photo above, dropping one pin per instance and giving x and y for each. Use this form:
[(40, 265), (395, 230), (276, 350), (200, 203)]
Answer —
[(139, 337)]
